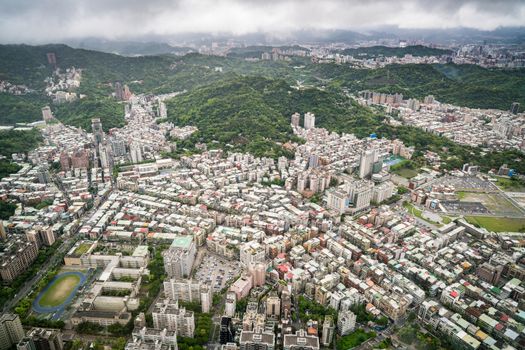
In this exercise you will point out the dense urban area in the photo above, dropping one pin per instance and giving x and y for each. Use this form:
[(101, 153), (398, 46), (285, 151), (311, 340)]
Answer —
[(249, 197)]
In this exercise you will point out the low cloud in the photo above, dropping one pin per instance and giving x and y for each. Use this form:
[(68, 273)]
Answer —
[(39, 21)]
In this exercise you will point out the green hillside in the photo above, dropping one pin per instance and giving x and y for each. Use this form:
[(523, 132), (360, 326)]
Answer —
[(249, 112), (463, 85)]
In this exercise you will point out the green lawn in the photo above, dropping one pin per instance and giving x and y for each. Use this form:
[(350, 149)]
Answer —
[(406, 173), (498, 224), (82, 248), (354, 339), (510, 184), (59, 291)]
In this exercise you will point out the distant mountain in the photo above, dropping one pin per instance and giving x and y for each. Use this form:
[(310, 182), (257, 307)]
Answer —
[(129, 48)]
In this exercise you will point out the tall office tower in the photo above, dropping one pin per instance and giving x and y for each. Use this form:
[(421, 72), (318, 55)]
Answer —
[(514, 109), (98, 132), (366, 163), (11, 331), (346, 322), (46, 339), (328, 331), (230, 305), (179, 258), (119, 91), (135, 152), (227, 334), (273, 306), (309, 120), (258, 339), (65, 161), (46, 114), (295, 119)]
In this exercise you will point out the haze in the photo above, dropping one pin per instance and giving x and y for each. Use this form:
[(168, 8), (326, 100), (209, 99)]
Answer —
[(42, 21)]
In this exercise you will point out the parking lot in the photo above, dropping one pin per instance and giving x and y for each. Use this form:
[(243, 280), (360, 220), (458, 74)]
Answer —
[(467, 183), (216, 271)]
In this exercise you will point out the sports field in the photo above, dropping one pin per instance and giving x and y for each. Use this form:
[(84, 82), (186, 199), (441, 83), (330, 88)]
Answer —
[(496, 224), (60, 290)]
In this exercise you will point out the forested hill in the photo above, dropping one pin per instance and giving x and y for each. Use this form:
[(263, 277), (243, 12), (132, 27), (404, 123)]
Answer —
[(385, 51), (253, 113)]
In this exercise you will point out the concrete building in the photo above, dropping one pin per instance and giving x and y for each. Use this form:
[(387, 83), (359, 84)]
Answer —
[(229, 306), (309, 120), (300, 341), (46, 339), (328, 331), (257, 340), (11, 331), (295, 119), (179, 258), (46, 114), (185, 290), (346, 322), (16, 258), (273, 306), (167, 314), (366, 163)]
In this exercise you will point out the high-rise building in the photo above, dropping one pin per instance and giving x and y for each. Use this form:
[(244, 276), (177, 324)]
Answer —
[(106, 156), (11, 331), (51, 58), (3, 233), (295, 119), (226, 334), (167, 314), (46, 114), (366, 163), (46, 339), (26, 344), (118, 147), (328, 331), (257, 339), (206, 298), (252, 253), (360, 194), (309, 120), (345, 322), (126, 93), (429, 99), (16, 258), (163, 111), (119, 91), (184, 290), (514, 108), (98, 132), (135, 152), (273, 306), (179, 258), (230, 304)]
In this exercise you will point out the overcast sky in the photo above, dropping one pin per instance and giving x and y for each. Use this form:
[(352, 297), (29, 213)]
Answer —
[(40, 21)]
